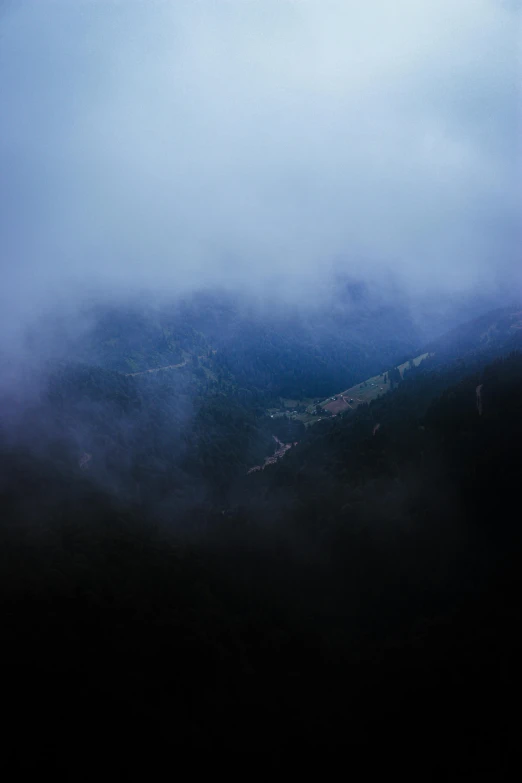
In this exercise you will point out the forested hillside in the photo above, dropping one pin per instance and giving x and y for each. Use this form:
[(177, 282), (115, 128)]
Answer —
[(262, 348), (153, 587), (299, 353)]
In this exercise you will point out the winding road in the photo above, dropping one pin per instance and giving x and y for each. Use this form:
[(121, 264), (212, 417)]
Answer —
[(156, 369)]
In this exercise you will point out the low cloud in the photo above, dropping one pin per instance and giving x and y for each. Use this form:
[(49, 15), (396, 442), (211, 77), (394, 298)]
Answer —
[(262, 144)]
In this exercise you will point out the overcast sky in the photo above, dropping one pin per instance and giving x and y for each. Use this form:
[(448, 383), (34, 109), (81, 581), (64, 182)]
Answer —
[(180, 143)]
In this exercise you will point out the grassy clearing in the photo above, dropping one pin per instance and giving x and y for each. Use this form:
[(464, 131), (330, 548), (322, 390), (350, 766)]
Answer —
[(416, 362), (350, 399), (366, 391), (357, 395), (293, 404)]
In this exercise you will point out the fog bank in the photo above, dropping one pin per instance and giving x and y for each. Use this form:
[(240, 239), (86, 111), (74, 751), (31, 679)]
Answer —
[(173, 146)]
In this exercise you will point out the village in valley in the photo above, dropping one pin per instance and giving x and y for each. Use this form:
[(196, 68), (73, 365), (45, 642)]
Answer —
[(310, 411)]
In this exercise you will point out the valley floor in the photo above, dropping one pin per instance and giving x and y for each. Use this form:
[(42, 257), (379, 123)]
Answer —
[(311, 411)]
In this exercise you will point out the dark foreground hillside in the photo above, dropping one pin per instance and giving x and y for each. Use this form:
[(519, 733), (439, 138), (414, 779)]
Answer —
[(362, 597)]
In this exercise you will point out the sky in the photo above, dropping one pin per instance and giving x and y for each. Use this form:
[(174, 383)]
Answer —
[(177, 144)]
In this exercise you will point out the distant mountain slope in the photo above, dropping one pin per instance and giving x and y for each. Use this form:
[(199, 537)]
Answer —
[(197, 429), (338, 599), (305, 352), (494, 332), (266, 349), (137, 339)]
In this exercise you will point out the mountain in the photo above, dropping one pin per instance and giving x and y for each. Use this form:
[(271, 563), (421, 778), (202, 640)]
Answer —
[(494, 332), (303, 353), (259, 346), (363, 589)]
